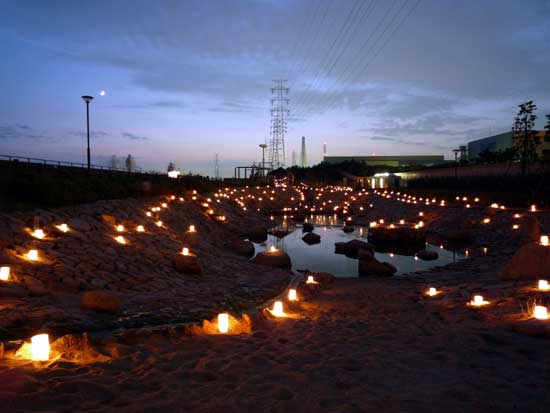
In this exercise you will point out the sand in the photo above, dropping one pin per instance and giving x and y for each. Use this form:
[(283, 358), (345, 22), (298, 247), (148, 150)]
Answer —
[(356, 345)]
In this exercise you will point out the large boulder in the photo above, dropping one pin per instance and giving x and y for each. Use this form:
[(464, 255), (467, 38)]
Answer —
[(241, 247), (101, 301), (257, 234), (311, 238), (79, 224), (307, 227), (399, 237), (426, 255), (369, 266), (348, 228), (277, 258), (188, 264), (351, 248), (530, 262)]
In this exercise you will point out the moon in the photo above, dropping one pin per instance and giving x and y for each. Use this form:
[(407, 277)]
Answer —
[(102, 93)]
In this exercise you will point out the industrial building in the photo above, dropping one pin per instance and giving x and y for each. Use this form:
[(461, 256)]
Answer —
[(503, 141), (424, 160)]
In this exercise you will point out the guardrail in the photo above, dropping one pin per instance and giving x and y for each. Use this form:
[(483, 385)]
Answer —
[(72, 164)]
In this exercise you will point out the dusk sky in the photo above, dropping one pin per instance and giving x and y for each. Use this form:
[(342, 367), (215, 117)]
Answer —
[(187, 79)]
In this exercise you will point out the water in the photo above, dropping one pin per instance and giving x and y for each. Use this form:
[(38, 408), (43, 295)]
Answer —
[(321, 257)]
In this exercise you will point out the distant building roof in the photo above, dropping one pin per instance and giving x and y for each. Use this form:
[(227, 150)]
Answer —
[(425, 160)]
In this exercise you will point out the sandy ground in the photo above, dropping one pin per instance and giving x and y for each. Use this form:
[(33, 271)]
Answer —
[(352, 346), (360, 345)]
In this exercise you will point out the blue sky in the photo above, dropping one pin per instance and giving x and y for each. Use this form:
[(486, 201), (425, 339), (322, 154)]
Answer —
[(187, 79)]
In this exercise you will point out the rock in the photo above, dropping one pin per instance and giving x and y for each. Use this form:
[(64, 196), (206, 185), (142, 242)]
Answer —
[(348, 228), (307, 227), (400, 235), (351, 248), (188, 264), (280, 232), (101, 301), (427, 255), (530, 230), (368, 265), (530, 262), (311, 238), (35, 286), (109, 219), (278, 259), (79, 224), (241, 247), (322, 277), (257, 235)]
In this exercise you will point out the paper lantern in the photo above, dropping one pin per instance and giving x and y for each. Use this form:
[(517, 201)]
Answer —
[(478, 301), (38, 233), (292, 295), (32, 255), (544, 240), (311, 280), (272, 249), (140, 228), (62, 227), (4, 273), (158, 223), (432, 291), (278, 309), (543, 285), (148, 213), (120, 239), (40, 347), (223, 323), (185, 251), (192, 228), (120, 228), (541, 312)]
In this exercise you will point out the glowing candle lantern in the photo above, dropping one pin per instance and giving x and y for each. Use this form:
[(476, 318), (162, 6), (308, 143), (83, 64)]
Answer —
[(223, 323), (148, 213), (32, 255), (185, 251), (420, 224), (120, 239), (62, 227), (543, 285), (533, 208), (272, 249), (164, 205), (541, 312), (292, 295), (158, 223), (515, 226), (40, 347), (478, 301), (278, 309), (421, 214), (4, 273), (192, 228), (120, 228), (432, 291), (38, 233), (402, 221), (140, 228), (311, 280), (486, 220), (544, 240)]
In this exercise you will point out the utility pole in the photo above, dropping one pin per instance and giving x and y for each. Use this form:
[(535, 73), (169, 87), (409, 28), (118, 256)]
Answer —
[(279, 113), (263, 146), (88, 99)]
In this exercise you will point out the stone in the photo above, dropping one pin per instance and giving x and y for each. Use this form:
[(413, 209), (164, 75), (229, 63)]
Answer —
[(257, 235), (79, 224), (323, 277), (348, 228), (101, 301), (278, 259), (280, 232), (311, 238), (35, 286), (188, 264), (530, 230), (307, 227), (109, 219), (369, 265), (242, 247), (426, 255), (530, 262), (351, 248)]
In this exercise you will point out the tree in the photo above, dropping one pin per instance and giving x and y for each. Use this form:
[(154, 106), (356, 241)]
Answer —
[(524, 138), (130, 163), (547, 128), (171, 167)]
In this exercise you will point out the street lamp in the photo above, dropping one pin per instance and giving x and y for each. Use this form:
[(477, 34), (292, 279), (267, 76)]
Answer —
[(88, 99), (263, 146)]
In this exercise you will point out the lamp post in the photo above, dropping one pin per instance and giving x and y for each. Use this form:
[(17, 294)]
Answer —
[(88, 99), (263, 146)]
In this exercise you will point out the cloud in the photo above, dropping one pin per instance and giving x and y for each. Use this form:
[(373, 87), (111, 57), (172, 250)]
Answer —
[(93, 134), (133, 137), (8, 131)]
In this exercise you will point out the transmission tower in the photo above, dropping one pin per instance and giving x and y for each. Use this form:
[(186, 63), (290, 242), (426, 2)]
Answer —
[(216, 167), (279, 113), (303, 156)]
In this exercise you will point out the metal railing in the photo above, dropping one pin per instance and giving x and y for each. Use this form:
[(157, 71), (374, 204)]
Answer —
[(51, 162)]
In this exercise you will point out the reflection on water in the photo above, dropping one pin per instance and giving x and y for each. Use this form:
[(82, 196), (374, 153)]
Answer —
[(321, 257)]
